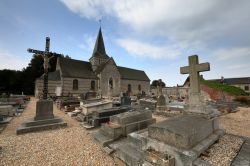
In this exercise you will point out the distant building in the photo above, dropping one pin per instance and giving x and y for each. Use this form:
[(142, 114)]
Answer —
[(100, 74), (241, 82)]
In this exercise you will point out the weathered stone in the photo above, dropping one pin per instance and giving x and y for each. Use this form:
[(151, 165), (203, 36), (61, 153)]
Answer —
[(7, 110), (183, 132), (39, 125), (91, 107), (122, 124), (195, 99), (44, 110)]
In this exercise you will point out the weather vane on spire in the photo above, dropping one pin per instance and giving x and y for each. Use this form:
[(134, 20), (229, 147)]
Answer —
[(100, 22)]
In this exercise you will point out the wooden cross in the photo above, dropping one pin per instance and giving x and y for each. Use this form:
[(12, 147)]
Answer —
[(193, 70)]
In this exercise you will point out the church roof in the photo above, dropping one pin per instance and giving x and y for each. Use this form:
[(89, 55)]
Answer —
[(99, 49), (132, 74), (126, 73), (53, 76), (76, 68)]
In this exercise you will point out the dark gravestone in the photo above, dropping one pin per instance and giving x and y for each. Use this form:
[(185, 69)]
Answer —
[(90, 95), (103, 116), (125, 100), (122, 124)]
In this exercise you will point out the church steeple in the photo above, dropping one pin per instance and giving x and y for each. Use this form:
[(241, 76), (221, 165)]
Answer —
[(99, 48), (99, 55)]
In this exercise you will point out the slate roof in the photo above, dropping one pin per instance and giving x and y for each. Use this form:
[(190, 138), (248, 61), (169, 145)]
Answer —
[(99, 49), (132, 74), (233, 81), (76, 68), (53, 76)]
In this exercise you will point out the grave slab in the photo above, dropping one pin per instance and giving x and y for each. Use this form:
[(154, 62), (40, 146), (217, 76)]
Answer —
[(184, 131)]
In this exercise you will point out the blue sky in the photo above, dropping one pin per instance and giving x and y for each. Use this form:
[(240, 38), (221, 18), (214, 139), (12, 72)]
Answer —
[(156, 36)]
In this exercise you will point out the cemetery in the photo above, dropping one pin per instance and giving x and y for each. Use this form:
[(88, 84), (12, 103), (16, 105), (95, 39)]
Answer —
[(93, 112)]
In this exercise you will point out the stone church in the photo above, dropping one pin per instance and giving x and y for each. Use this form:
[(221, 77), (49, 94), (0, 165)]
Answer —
[(101, 75)]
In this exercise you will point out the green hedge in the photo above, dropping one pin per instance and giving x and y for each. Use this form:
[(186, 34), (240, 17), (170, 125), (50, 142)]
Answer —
[(226, 88)]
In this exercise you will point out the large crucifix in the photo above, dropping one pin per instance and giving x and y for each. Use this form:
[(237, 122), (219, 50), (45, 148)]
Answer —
[(46, 59), (193, 70)]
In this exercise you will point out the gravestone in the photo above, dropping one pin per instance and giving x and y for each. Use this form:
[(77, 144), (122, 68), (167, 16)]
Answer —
[(125, 100), (103, 116), (122, 124), (44, 118), (161, 100), (195, 104), (184, 137)]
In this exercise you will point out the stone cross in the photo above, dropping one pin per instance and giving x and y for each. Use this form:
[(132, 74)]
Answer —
[(160, 87), (193, 70), (46, 59)]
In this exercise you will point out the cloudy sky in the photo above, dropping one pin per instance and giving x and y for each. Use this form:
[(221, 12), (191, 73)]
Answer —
[(156, 36)]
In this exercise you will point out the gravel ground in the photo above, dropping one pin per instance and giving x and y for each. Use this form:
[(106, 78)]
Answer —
[(223, 152), (237, 123), (69, 146)]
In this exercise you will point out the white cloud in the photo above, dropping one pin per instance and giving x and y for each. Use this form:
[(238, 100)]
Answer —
[(141, 49), (10, 61), (192, 20), (232, 53), (88, 43)]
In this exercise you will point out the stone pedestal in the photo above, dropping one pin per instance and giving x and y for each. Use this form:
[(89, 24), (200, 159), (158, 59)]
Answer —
[(44, 110), (43, 120)]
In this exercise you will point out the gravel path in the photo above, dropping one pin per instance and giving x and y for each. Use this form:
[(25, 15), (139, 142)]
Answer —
[(69, 146), (237, 123)]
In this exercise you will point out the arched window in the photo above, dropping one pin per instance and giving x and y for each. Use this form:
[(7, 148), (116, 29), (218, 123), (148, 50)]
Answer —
[(111, 83), (139, 87), (129, 88), (92, 85), (75, 84)]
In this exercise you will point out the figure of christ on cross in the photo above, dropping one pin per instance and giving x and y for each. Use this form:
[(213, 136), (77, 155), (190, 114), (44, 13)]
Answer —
[(193, 70), (46, 59)]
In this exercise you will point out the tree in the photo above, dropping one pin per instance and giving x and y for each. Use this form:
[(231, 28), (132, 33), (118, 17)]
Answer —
[(155, 83), (13, 81)]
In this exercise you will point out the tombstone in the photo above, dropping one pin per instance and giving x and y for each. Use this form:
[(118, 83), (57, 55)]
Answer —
[(103, 116), (122, 124), (161, 100), (44, 118), (195, 103), (90, 95), (6, 113), (95, 106), (148, 103), (125, 100), (184, 137)]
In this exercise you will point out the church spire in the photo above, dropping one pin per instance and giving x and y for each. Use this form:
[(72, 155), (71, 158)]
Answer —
[(99, 48)]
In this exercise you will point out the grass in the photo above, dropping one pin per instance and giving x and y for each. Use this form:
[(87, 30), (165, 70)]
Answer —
[(225, 88)]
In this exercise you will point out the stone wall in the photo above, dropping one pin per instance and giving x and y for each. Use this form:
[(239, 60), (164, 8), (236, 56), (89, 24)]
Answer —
[(84, 85), (110, 71), (51, 87), (145, 86)]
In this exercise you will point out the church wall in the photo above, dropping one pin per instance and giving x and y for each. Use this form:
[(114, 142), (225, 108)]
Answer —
[(51, 87), (110, 71), (84, 85), (145, 86)]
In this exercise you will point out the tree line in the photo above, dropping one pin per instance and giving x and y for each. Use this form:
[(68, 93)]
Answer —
[(23, 81)]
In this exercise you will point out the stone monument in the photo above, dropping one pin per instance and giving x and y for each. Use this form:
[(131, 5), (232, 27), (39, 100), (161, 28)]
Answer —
[(184, 137), (196, 104), (161, 101), (44, 118)]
